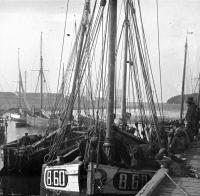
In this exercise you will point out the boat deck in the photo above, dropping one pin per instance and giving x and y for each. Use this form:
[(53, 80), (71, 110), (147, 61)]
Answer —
[(162, 184)]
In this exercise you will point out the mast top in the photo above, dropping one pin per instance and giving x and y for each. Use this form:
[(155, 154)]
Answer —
[(41, 44), (186, 42)]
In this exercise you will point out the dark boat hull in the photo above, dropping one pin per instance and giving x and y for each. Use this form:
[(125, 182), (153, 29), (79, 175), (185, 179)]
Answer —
[(20, 159), (28, 160), (20, 124), (19, 162)]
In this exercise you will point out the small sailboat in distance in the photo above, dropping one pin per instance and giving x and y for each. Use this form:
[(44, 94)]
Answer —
[(19, 116), (39, 118)]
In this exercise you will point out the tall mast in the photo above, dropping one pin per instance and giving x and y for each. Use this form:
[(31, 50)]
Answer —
[(79, 51), (123, 109), (79, 98), (41, 74), (198, 98), (25, 73), (183, 81), (20, 102), (63, 88), (112, 29)]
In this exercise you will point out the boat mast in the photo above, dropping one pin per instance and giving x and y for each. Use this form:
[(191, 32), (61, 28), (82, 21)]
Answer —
[(25, 74), (79, 51), (41, 74), (20, 101), (79, 101), (126, 22), (183, 81), (63, 88), (112, 29), (79, 98), (198, 98)]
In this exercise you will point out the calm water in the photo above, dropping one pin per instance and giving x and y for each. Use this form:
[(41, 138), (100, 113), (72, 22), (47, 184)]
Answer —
[(18, 185)]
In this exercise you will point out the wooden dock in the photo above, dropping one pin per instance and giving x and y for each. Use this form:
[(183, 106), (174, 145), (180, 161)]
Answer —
[(162, 184)]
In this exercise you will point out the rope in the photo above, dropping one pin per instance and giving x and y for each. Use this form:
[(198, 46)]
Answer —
[(136, 77), (63, 42), (185, 193), (147, 54), (88, 46), (159, 58), (144, 63)]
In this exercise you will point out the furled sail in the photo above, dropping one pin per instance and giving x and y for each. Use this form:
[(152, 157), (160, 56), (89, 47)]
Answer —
[(27, 106)]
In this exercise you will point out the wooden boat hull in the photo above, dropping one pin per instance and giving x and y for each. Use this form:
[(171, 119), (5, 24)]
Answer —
[(39, 122), (101, 180), (36, 121)]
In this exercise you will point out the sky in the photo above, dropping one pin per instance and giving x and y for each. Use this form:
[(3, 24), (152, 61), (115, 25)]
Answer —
[(22, 21)]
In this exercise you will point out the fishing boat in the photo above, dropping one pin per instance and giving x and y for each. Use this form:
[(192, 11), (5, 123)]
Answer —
[(109, 161), (14, 155), (19, 116), (38, 118), (37, 121), (20, 155)]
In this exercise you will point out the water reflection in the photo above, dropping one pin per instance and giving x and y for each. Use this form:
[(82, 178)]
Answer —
[(16, 133), (18, 185)]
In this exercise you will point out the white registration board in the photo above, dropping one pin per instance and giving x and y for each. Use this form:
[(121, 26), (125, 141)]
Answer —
[(62, 177)]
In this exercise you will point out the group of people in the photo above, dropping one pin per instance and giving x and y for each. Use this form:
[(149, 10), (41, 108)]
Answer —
[(183, 133)]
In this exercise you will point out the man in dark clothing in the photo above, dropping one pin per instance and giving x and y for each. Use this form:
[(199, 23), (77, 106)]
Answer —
[(25, 140), (120, 155), (144, 154), (191, 115)]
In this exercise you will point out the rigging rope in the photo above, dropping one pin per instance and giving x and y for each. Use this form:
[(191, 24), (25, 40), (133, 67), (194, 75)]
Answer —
[(144, 67), (159, 57), (185, 193), (83, 61), (62, 48), (147, 54)]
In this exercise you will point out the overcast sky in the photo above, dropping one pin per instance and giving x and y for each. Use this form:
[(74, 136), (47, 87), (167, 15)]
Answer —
[(21, 22)]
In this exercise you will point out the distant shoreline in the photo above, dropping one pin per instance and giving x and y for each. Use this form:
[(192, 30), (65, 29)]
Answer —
[(10, 100)]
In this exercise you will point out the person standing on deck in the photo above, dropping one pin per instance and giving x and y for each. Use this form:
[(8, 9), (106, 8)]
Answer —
[(25, 140), (191, 116), (198, 121)]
